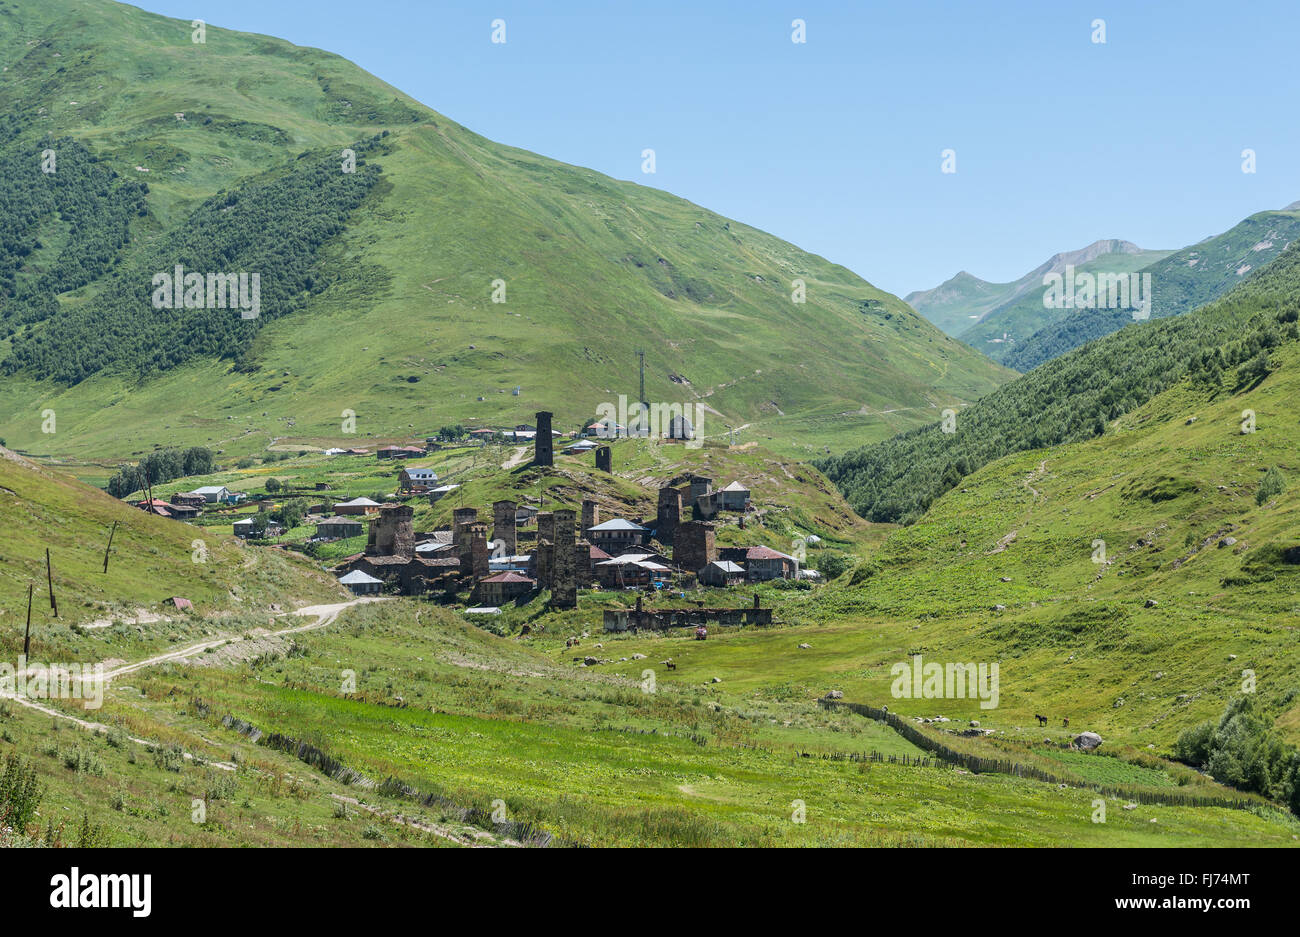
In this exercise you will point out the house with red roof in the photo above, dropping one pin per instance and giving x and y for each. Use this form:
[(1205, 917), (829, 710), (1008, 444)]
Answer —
[(761, 563), (504, 587)]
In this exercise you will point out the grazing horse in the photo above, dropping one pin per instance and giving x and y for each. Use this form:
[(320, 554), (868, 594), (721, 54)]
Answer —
[(1066, 722), (1042, 720), (670, 665)]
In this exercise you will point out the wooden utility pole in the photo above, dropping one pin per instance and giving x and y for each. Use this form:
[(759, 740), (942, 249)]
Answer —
[(49, 578), (110, 545), (27, 635)]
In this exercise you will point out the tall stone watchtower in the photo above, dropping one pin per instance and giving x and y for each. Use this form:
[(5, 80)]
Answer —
[(503, 526), (693, 547), (391, 533), (543, 446)]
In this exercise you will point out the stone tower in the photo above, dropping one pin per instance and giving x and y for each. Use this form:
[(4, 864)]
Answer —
[(391, 533), (545, 549), (479, 563), (503, 526), (460, 519), (669, 514), (590, 514), (564, 590), (693, 547), (543, 445)]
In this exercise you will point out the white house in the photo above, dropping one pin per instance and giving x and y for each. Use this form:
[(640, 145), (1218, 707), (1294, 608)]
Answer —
[(214, 494), (410, 478)]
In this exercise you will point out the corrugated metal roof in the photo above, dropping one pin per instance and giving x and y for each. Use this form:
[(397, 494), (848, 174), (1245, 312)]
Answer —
[(617, 523)]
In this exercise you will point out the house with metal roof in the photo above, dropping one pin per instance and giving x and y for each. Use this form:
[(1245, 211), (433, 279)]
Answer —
[(214, 494), (616, 536), (357, 506), (361, 583), (722, 573)]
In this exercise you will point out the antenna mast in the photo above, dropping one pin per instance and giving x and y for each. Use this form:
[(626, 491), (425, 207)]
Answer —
[(640, 354)]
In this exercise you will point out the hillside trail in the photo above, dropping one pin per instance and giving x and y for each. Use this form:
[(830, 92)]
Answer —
[(1010, 536), (325, 615), (518, 457), (1041, 470)]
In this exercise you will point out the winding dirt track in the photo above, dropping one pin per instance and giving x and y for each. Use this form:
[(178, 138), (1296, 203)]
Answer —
[(325, 614)]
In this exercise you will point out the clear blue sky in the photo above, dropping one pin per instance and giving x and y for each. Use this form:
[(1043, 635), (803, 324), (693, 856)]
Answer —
[(835, 144)]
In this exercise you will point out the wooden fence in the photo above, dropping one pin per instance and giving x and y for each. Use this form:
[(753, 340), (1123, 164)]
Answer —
[(979, 764)]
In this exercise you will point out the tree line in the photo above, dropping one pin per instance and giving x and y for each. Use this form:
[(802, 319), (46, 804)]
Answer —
[(1243, 749), (160, 467)]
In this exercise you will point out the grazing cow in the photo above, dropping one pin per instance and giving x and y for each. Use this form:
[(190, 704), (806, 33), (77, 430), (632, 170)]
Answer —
[(1042, 720), (1066, 722)]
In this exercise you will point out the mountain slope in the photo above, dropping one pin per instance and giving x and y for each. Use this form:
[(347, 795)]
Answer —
[(1125, 581), (383, 306), (1180, 282), (1226, 343), (152, 559), (965, 299), (1002, 332)]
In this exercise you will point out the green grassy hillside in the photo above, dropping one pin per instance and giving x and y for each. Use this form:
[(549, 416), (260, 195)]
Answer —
[(445, 724), (1133, 583), (1125, 581), (383, 305), (1180, 282), (406, 710), (957, 302), (152, 559)]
